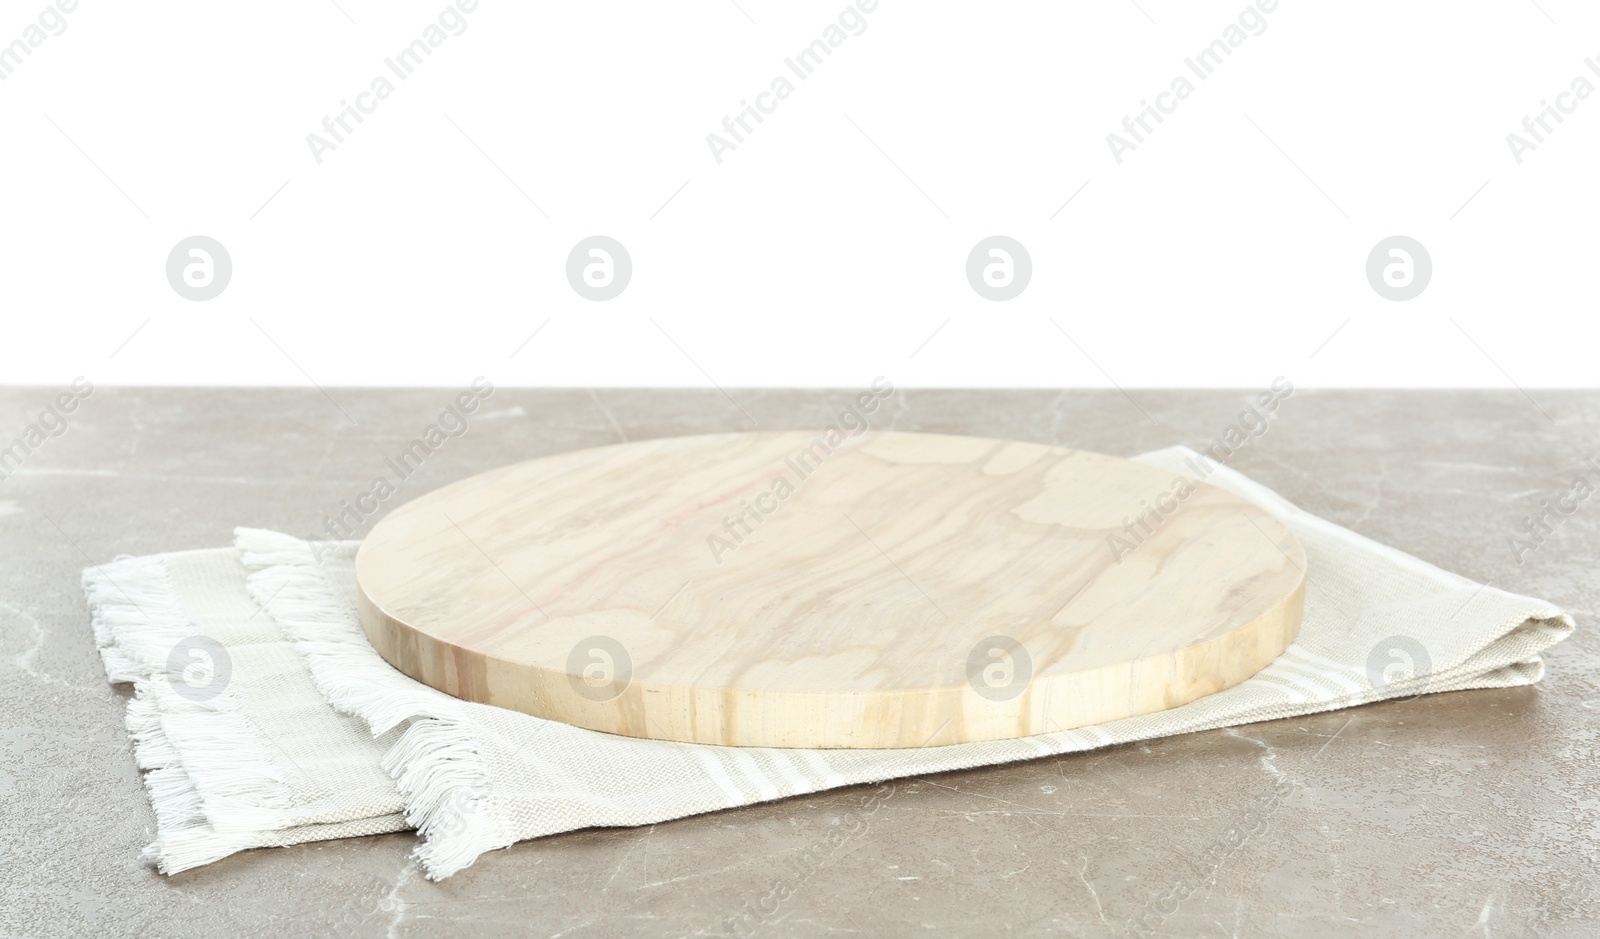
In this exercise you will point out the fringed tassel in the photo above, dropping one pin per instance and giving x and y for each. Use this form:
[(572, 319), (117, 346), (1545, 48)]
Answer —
[(196, 755), (136, 617), (437, 764)]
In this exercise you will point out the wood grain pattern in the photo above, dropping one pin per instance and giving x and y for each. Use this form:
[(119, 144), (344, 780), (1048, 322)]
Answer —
[(876, 590)]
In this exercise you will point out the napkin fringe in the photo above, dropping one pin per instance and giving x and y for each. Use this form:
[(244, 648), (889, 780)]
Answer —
[(436, 765), (195, 754), (184, 837), (135, 616), (438, 769)]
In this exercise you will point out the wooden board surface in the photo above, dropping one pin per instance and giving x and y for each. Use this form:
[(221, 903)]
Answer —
[(876, 590)]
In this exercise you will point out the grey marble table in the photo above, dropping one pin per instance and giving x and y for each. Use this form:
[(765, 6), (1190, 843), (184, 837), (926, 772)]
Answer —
[(1474, 813)]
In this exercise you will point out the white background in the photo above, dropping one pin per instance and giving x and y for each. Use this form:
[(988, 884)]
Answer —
[(408, 257)]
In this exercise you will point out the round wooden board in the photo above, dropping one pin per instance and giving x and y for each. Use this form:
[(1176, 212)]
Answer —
[(785, 590)]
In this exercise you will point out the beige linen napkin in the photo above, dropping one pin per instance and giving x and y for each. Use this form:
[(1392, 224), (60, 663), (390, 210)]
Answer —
[(266, 760), (240, 750)]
